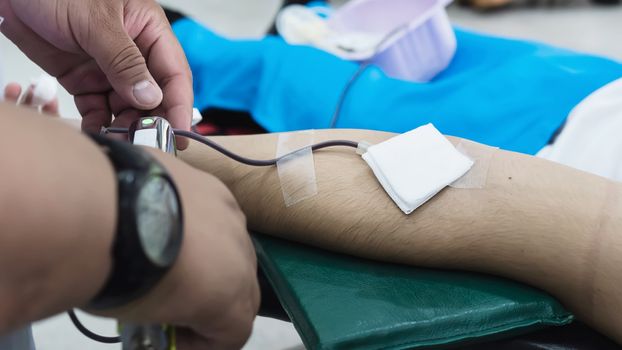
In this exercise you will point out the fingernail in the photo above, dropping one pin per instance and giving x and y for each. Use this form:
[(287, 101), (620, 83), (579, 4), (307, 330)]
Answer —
[(147, 94)]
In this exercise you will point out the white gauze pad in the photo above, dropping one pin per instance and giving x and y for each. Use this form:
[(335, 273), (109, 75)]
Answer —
[(415, 166)]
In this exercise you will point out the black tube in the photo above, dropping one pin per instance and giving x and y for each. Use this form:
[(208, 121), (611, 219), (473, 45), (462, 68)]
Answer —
[(241, 159), (87, 333)]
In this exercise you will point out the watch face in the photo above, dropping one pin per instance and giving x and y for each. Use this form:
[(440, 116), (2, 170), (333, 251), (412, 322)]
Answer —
[(158, 220)]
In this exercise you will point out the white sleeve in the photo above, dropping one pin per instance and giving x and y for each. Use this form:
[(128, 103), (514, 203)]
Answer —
[(590, 140), (20, 340)]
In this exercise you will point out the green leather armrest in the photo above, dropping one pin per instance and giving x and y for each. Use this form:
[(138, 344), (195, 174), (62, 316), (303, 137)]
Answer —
[(341, 302)]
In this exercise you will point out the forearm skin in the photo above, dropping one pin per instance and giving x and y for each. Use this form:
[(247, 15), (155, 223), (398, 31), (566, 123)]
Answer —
[(57, 217), (535, 221)]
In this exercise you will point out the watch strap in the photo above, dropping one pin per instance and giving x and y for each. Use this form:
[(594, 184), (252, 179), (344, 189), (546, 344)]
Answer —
[(132, 274)]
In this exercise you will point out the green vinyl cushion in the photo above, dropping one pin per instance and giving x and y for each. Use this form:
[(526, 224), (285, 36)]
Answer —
[(342, 302)]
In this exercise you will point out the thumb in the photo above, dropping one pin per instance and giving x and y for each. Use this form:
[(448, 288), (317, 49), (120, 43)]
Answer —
[(125, 67)]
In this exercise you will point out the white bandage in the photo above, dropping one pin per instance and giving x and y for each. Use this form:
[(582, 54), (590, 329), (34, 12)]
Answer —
[(415, 166)]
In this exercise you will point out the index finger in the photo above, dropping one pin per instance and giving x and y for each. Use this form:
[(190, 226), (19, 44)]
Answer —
[(169, 66)]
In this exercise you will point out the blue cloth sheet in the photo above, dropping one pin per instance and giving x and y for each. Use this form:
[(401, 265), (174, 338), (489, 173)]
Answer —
[(506, 93)]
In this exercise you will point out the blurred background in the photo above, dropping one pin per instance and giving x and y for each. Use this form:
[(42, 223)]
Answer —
[(581, 25)]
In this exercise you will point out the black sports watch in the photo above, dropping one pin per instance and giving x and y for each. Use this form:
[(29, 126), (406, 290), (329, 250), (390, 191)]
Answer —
[(149, 225)]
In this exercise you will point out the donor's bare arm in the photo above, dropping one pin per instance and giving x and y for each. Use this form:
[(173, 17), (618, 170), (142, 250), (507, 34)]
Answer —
[(535, 221)]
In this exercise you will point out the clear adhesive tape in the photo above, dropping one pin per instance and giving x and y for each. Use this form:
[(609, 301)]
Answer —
[(296, 171), (481, 155)]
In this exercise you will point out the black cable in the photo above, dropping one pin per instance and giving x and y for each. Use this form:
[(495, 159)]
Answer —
[(345, 92), (239, 158), (96, 337), (254, 162), (357, 74)]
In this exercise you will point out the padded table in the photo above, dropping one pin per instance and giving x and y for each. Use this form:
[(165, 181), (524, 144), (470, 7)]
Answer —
[(342, 302)]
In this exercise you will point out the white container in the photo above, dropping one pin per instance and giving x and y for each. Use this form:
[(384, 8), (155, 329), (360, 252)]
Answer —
[(414, 38)]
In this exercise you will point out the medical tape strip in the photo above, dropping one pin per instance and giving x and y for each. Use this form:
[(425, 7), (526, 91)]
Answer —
[(481, 155), (296, 170)]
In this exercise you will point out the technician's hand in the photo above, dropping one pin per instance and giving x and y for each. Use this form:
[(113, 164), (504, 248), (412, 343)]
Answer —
[(117, 57), (212, 291)]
